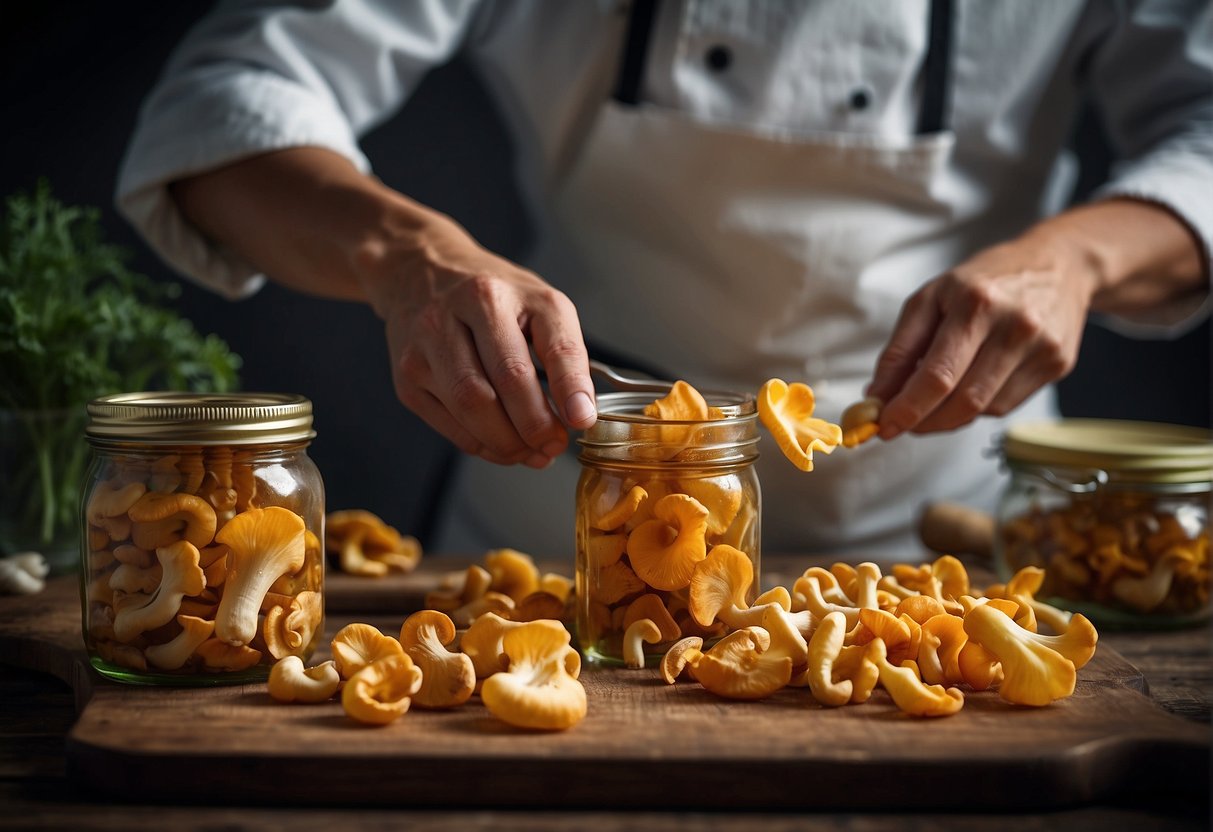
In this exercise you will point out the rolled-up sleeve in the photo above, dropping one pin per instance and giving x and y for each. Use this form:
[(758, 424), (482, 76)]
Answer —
[(1153, 82), (256, 77)]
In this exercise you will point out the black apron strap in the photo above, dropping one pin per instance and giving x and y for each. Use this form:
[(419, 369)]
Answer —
[(933, 109), (635, 52)]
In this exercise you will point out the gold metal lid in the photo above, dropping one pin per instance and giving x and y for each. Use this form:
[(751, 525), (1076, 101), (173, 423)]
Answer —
[(200, 418), (1131, 452)]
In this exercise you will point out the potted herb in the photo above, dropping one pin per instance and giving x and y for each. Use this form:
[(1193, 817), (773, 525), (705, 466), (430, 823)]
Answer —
[(76, 323)]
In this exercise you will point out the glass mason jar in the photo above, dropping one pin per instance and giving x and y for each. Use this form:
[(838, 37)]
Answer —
[(653, 497), (203, 522), (1116, 513)]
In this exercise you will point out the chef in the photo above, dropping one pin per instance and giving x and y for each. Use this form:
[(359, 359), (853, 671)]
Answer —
[(864, 196)]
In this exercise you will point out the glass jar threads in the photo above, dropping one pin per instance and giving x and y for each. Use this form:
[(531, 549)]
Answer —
[(1117, 515), (202, 526), (655, 495)]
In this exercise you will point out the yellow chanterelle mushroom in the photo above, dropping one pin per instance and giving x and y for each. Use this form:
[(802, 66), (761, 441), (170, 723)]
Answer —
[(536, 690), (447, 679), (787, 412)]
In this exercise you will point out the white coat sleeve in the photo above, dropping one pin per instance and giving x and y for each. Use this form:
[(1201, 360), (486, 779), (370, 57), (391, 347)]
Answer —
[(1153, 83), (253, 77)]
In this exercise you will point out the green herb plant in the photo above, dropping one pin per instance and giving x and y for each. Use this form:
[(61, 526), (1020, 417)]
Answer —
[(76, 323)]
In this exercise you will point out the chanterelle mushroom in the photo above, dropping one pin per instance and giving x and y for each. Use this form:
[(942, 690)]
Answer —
[(663, 551), (379, 693), (787, 412), (290, 681), (447, 679), (159, 518), (263, 544), (537, 690), (137, 613)]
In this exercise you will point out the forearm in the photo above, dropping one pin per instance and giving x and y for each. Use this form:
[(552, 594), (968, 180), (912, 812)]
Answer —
[(305, 216), (1137, 255)]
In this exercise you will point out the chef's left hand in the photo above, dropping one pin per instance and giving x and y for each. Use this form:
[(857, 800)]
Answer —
[(984, 336)]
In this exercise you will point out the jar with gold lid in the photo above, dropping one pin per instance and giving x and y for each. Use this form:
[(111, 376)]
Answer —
[(202, 526), (1117, 515), (653, 498)]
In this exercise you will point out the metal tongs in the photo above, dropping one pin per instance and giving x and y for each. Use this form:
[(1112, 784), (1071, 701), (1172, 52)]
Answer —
[(621, 382)]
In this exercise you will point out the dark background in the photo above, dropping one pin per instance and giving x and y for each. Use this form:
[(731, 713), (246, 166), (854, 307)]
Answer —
[(72, 76)]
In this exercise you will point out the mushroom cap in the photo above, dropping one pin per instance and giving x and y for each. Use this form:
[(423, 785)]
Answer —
[(613, 583), (290, 681), (621, 511), (663, 551), (219, 655), (173, 654), (604, 549), (908, 691), (787, 412), (861, 421), (537, 690), (288, 630), (513, 573), (651, 606), (682, 653), (538, 605), (1033, 673), (263, 544), (356, 645), (159, 518), (739, 668), (482, 643), (721, 495), (447, 679), (719, 581), (637, 633), (111, 498), (380, 692)]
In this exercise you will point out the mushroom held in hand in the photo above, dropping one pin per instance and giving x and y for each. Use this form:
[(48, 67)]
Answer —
[(537, 690), (861, 421), (263, 544)]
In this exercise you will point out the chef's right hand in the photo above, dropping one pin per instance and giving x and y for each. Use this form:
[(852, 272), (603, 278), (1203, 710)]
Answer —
[(461, 326)]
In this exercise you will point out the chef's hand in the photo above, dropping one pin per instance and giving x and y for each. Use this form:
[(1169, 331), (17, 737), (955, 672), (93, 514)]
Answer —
[(461, 324), (984, 336)]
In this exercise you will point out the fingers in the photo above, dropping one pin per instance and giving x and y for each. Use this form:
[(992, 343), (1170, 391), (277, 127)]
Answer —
[(968, 348), (561, 350), (465, 367)]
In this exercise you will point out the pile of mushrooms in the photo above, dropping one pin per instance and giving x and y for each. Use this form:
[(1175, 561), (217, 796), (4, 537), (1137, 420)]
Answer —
[(922, 634), (192, 568), (495, 631)]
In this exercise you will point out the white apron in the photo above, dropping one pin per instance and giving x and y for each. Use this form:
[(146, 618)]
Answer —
[(727, 256)]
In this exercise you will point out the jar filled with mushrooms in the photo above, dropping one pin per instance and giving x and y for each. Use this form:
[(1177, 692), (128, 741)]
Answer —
[(1116, 513), (203, 520), (664, 481)]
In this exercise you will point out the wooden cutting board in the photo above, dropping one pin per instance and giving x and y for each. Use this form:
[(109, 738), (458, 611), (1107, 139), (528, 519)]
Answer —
[(643, 745)]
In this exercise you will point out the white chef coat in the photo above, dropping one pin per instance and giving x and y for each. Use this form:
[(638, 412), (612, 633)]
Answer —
[(252, 78)]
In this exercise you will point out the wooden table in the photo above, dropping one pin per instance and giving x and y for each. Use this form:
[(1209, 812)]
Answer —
[(37, 710)]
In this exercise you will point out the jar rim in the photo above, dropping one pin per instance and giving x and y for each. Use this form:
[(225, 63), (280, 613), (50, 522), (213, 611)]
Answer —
[(1128, 451), (170, 418)]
